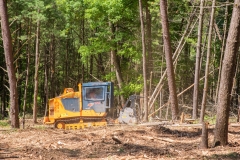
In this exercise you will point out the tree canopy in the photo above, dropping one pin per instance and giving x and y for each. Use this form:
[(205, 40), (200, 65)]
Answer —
[(77, 40)]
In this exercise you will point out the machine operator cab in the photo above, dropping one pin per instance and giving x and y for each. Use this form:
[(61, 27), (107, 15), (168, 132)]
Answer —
[(97, 96)]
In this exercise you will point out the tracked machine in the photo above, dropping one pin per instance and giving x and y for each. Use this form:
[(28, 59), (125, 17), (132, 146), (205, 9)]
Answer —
[(88, 107)]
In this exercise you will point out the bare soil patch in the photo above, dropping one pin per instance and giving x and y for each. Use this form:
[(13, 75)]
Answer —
[(113, 142)]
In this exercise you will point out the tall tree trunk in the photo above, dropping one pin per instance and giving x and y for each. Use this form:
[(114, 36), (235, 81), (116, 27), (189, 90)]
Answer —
[(197, 65), (204, 99), (18, 61), (27, 73), (67, 62), (118, 74), (222, 48), (46, 71), (35, 104), (149, 58), (145, 89), (227, 74), (168, 55), (149, 42), (91, 67), (82, 67), (52, 67), (8, 52), (176, 54), (116, 64)]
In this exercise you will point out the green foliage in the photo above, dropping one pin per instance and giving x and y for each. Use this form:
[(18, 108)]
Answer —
[(73, 32), (130, 51), (191, 41), (133, 87), (210, 119), (110, 76)]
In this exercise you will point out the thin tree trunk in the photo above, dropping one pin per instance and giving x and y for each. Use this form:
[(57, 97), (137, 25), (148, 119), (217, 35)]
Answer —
[(204, 99), (8, 52), (197, 65), (67, 62), (18, 61), (27, 74), (168, 55), (52, 67), (116, 65), (234, 95), (91, 67), (4, 96), (161, 94), (145, 90), (46, 71), (35, 104), (227, 74)]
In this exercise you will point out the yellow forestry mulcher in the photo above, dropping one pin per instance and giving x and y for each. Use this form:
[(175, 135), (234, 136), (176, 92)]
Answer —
[(88, 107)]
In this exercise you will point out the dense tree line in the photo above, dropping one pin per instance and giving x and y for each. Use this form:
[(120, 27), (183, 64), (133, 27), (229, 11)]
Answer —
[(60, 43)]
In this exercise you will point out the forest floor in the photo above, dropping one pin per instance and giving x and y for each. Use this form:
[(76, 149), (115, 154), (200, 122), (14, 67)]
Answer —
[(124, 142)]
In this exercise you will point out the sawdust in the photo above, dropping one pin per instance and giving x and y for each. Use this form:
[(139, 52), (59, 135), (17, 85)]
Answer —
[(113, 142)]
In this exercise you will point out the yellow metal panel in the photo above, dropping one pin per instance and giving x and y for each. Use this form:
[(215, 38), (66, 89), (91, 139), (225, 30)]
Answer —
[(82, 125), (92, 113)]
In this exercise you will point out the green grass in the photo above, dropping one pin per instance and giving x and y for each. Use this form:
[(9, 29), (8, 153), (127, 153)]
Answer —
[(4, 123)]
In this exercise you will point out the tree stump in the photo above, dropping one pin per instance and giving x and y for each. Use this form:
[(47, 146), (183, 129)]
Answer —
[(204, 141)]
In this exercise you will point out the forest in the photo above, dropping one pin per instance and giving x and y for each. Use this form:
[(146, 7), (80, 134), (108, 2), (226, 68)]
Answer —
[(180, 56)]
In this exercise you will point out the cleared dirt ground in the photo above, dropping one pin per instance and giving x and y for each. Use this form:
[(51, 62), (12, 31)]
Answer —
[(113, 142)]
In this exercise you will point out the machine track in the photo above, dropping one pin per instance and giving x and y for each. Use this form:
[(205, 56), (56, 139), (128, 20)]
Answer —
[(60, 123)]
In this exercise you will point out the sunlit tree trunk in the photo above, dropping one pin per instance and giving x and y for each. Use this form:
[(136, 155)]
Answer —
[(145, 89), (204, 99), (8, 49), (35, 104), (169, 61), (46, 71), (149, 56), (197, 64), (227, 74), (222, 48)]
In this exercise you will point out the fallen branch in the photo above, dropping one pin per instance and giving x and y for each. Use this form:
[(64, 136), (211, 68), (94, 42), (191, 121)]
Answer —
[(116, 140), (161, 139), (170, 140)]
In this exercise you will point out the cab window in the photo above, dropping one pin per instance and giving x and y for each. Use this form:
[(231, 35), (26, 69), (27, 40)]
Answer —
[(93, 93)]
